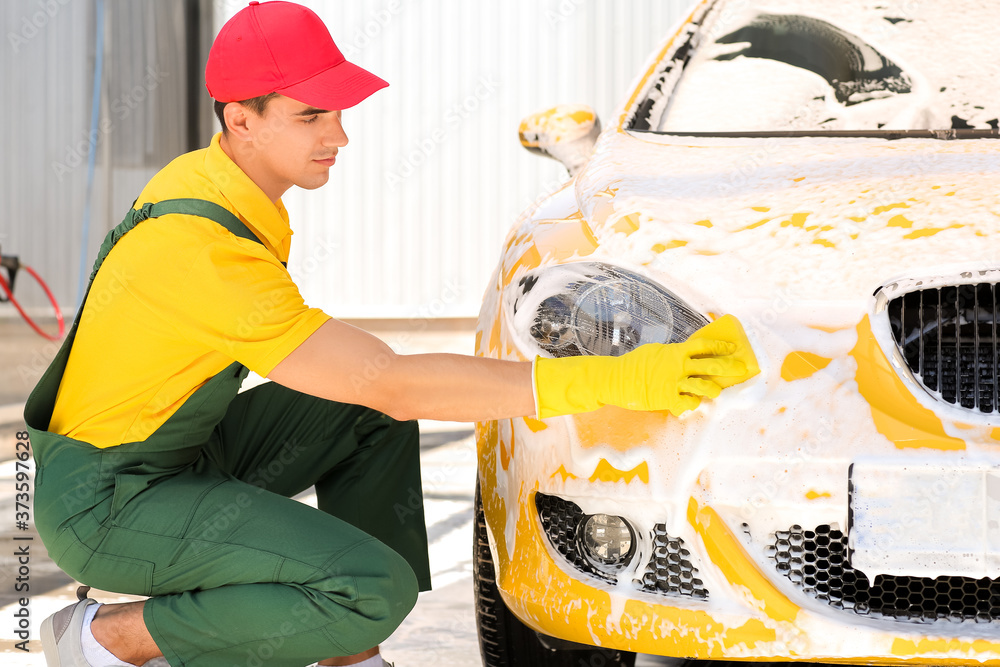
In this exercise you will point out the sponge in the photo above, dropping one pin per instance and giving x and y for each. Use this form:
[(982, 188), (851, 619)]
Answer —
[(729, 329)]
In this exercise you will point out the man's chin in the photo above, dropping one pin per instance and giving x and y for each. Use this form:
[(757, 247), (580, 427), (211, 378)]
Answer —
[(314, 181)]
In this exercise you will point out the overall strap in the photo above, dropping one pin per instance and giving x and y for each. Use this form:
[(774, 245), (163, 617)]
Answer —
[(41, 401), (197, 207), (204, 209)]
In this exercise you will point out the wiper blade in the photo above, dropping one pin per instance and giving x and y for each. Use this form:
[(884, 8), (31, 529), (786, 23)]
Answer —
[(944, 135)]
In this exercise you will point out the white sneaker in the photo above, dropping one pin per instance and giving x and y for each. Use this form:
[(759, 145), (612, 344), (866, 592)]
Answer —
[(62, 633)]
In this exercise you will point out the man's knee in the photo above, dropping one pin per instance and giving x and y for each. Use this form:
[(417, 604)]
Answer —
[(393, 592), (385, 591), (404, 588)]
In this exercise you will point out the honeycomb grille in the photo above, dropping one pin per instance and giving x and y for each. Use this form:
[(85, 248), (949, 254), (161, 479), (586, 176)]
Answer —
[(561, 520), (670, 571), (948, 337), (816, 561)]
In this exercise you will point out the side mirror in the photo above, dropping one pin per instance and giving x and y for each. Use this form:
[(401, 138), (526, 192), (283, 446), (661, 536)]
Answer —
[(566, 133)]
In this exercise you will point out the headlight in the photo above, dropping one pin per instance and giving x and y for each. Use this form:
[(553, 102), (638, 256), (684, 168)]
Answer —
[(607, 541), (601, 545), (599, 309)]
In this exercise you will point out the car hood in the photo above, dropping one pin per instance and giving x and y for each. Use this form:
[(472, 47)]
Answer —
[(826, 219)]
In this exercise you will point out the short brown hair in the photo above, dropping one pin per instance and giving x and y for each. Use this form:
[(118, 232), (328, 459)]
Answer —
[(256, 104)]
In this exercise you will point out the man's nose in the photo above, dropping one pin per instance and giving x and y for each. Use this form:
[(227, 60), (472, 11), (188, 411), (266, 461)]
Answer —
[(336, 136)]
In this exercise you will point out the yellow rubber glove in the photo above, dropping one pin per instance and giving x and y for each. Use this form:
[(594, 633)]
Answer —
[(729, 329), (673, 377)]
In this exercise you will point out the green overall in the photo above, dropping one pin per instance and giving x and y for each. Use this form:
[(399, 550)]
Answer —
[(199, 516)]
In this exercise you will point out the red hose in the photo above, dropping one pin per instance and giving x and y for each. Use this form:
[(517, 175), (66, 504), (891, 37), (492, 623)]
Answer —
[(48, 293)]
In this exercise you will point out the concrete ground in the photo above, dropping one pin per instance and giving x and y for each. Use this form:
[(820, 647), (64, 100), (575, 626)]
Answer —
[(441, 630), (24, 355)]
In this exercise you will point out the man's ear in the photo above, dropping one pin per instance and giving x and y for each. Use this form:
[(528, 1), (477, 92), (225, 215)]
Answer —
[(236, 120)]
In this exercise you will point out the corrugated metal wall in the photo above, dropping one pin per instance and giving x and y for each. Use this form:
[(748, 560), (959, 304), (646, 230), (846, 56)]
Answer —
[(47, 61), (412, 220)]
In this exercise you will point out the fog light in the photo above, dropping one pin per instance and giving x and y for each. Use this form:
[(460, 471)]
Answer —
[(607, 541)]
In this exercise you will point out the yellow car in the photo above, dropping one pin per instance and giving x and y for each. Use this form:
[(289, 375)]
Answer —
[(828, 174)]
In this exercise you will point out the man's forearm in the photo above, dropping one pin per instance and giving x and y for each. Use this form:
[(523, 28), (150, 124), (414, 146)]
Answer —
[(455, 387), (346, 364), (343, 363)]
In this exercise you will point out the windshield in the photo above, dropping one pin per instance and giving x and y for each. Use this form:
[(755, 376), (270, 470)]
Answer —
[(818, 66)]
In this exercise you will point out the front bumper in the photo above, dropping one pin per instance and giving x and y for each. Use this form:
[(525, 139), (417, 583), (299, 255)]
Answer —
[(751, 611)]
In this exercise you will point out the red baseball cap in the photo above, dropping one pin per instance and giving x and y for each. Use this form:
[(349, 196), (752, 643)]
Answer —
[(282, 47)]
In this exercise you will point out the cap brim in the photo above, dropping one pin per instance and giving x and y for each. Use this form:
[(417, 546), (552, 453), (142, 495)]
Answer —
[(340, 87)]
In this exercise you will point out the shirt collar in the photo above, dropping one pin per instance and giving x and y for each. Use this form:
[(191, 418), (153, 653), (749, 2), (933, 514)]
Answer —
[(267, 219)]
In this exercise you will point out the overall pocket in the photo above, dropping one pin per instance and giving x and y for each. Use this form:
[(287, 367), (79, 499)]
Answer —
[(108, 572)]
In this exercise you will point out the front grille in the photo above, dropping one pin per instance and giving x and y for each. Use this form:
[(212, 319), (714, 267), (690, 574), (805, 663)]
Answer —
[(948, 337), (669, 570), (561, 520), (817, 562)]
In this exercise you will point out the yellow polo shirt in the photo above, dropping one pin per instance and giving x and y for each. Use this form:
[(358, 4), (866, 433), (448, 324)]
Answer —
[(177, 300)]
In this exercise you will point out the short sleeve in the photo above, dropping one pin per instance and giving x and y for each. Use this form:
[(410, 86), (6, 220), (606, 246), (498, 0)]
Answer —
[(237, 299)]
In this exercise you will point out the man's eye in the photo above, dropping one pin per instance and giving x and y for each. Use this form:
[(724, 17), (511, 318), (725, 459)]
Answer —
[(311, 119)]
